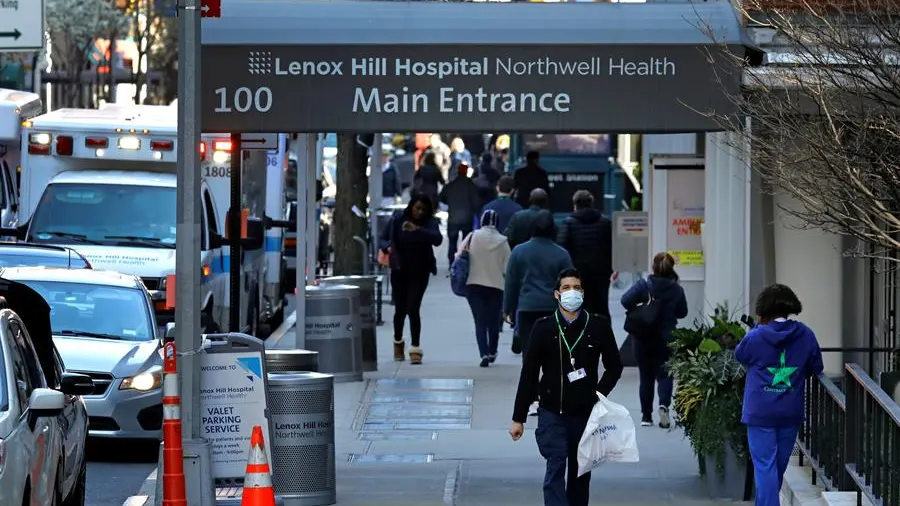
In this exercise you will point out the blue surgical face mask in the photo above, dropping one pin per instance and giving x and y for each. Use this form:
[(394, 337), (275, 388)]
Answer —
[(571, 300)]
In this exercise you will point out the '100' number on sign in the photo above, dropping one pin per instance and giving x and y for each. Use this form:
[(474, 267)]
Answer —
[(212, 171)]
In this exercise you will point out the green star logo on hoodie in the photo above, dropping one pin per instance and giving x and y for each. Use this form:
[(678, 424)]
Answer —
[(781, 375)]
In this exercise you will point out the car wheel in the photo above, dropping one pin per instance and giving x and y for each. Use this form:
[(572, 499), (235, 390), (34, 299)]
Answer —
[(77, 497)]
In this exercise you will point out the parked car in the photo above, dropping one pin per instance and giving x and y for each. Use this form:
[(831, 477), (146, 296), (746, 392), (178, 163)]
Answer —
[(15, 254), (104, 327), (42, 418)]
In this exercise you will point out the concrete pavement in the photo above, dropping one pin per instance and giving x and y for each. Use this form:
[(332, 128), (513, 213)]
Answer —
[(113, 474), (437, 433)]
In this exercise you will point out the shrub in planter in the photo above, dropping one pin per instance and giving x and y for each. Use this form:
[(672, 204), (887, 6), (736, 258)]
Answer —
[(708, 401)]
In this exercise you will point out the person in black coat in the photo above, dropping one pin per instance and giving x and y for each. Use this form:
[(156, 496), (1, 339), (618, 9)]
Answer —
[(428, 179), (587, 235), (529, 178)]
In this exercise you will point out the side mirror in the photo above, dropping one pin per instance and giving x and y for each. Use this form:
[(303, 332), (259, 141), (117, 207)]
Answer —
[(170, 332), (46, 402), (256, 235), (76, 384)]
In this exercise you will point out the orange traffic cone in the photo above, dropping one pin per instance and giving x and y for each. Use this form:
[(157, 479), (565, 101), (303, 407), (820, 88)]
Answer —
[(258, 489)]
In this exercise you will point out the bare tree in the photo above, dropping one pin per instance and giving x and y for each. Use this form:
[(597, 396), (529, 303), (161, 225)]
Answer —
[(825, 116), (73, 26), (163, 57)]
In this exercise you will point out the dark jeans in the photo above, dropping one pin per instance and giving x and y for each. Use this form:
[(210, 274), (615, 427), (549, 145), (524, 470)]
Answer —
[(408, 290), (651, 359), (453, 232), (485, 303), (770, 450), (596, 297), (557, 439), (524, 323)]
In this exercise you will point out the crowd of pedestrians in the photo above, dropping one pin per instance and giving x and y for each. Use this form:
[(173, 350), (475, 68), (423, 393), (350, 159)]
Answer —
[(551, 284)]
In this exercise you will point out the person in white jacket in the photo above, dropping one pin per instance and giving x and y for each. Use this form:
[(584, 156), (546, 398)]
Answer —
[(488, 254)]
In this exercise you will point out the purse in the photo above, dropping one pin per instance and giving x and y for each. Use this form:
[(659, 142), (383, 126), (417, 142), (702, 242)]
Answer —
[(384, 257), (642, 321), (459, 270)]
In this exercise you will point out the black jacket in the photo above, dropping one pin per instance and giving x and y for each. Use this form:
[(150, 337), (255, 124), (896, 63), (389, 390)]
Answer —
[(519, 229), (426, 181), (462, 199), (390, 182), (528, 178), (546, 367)]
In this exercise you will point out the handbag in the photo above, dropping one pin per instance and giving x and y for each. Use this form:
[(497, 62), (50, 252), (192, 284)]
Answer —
[(608, 437), (384, 257), (459, 270), (642, 321)]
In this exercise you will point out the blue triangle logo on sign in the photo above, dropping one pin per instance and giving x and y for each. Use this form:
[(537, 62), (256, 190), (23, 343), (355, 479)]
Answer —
[(252, 365)]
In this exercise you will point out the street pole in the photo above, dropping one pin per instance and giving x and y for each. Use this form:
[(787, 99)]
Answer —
[(200, 490), (312, 229), (234, 237), (306, 143), (375, 186)]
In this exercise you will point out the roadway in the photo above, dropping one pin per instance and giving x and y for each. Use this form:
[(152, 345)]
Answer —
[(116, 470)]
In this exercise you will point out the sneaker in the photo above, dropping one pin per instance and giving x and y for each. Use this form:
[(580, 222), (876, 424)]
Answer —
[(647, 421), (492, 358), (664, 417), (485, 361)]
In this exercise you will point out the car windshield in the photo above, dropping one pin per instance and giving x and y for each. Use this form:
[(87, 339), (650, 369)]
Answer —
[(106, 312), (122, 215), (64, 260)]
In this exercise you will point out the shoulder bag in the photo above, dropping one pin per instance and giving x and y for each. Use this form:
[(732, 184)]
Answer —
[(459, 269), (642, 321)]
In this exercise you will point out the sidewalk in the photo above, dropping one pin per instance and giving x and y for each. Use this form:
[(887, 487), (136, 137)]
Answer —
[(436, 434)]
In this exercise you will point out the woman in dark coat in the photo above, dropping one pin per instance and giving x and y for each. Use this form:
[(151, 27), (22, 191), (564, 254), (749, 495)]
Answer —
[(408, 239), (652, 352)]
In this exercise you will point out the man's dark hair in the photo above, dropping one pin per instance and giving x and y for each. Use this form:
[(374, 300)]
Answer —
[(777, 301), (506, 184), (429, 159), (570, 272), (532, 156), (539, 198), (543, 225), (583, 199)]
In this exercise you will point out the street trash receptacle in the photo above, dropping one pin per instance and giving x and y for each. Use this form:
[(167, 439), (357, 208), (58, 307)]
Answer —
[(301, 407), (280, 361), (333, 329), (366, 285)]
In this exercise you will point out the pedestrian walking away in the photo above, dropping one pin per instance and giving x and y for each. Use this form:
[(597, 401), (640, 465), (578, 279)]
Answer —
[(520, 226), (587, 236), (488, 255), (530, 177), (562, 362), (504, 205), (428, 178), (463, 203), (651, 351), (408, 239), (779, 354)]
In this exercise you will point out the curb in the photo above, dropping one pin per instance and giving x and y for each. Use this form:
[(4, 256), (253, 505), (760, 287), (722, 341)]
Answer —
[(146, 495)]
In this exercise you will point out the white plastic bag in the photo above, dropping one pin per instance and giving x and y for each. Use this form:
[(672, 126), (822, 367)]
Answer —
[(608, 437)]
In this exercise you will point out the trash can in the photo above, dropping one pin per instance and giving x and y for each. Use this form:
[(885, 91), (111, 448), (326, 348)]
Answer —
[(366, 285), (280, 361), (333, 329), (301, 407)]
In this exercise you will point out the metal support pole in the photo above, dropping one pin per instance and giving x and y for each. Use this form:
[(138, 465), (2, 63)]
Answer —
[(234, 238), (375, 191), (197, 455), (312, 229), (305, 144)]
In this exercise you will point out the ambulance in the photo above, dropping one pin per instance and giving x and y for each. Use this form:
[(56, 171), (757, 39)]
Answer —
[(15, 107), (103, 181)]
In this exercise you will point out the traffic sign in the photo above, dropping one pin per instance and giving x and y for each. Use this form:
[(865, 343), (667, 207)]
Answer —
[(22, 26), (259, 141), (211, 8)]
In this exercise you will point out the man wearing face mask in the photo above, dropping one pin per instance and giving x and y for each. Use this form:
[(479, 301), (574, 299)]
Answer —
[(562, 362)]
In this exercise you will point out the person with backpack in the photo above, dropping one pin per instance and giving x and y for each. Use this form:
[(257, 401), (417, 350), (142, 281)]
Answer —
[(660, 302), (779, 355)]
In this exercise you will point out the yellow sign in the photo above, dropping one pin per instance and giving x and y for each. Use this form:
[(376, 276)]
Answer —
[(687, 257)]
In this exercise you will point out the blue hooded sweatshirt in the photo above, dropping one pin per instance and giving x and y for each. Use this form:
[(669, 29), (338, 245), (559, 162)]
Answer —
[(779, 356)]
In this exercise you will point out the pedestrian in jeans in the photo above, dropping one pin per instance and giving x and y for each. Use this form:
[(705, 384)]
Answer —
[(779, 355), (463, 203), (488, 256), (408, 239), (652, 352), (561, 362)]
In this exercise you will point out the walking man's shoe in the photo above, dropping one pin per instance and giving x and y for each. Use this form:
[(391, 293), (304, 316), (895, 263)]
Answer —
[(485, 361), (646, 421), (664, 417), (399, 351)]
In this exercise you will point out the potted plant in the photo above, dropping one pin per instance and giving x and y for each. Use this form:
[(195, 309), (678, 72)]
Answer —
[(709, 399)]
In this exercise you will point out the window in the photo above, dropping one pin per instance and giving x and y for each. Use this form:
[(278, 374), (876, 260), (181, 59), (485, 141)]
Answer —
[(109, 312), (35, 373), (20, 370), (11, 189), (141, 216)]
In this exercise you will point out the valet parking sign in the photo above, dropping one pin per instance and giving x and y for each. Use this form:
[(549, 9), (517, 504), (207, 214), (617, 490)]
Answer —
[(232, 401)]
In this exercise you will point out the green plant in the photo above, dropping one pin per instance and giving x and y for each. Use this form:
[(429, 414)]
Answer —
[(710, 380)]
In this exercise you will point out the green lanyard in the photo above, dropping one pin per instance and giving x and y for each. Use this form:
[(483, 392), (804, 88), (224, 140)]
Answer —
[(562, 335)]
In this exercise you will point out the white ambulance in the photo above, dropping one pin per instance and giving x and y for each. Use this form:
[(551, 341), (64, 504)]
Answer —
[(15, 107), (103, 182)]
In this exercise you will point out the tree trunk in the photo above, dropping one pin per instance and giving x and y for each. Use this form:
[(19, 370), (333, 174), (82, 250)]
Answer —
[(353, 188)]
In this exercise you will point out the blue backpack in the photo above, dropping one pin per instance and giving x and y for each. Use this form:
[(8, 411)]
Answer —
[(459, 271)]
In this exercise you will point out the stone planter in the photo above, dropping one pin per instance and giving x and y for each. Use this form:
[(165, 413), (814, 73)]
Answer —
[(735, 483)]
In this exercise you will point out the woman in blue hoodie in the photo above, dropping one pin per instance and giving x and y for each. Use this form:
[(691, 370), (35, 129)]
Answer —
[(652, 352), (779, 355)]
